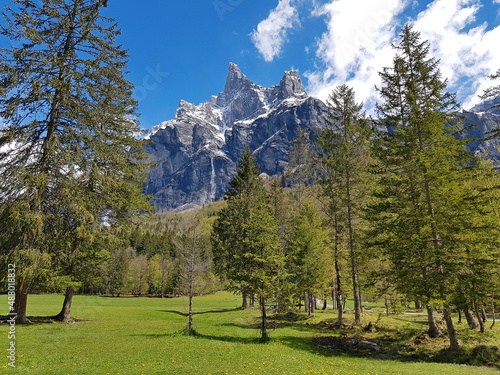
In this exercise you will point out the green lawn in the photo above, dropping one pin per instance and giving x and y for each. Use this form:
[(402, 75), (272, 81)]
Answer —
[(146, 336)]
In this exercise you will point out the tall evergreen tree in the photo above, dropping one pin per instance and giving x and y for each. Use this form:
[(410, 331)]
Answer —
[(281, 205), (345, 152), (477, 205), (70, 152), (299, 170), (421, 166), (307, 255), (246, 246)]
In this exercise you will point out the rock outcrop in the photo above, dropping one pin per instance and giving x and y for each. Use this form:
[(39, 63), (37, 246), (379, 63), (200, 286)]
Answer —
[(196, 152)]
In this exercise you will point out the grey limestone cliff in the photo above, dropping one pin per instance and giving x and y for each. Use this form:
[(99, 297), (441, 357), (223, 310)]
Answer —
[(196, 152)]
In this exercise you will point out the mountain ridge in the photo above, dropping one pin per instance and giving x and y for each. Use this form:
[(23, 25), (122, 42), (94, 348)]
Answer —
[(196, 152)]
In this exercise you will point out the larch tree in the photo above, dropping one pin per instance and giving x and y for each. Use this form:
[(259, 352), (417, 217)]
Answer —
[(194, 263), (345, 151), (281, 205), (299, 170), (421, 167), (478, 204), (306, 255), (70, 156), (245, 242)]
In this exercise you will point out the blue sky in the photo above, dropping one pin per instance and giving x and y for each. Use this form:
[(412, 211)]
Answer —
[(181, 49)]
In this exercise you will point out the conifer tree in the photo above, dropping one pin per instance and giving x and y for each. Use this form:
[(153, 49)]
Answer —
[(299, 170), (477, 204), (281, 205), (421, 165), (345, 152), (70, 154), (307, 255), (244, 238)]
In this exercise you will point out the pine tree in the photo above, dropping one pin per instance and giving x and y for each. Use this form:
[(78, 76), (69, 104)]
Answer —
[(421, 168), (281, 205), (345, 153), (244, 238), (299, 170), (306, 255), (478, 205), (70, 154)]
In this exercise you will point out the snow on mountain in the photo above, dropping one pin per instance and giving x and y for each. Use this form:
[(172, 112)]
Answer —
[(196, 152)]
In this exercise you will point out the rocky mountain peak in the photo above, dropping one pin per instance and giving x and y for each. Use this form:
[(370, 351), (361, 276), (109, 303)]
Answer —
[(487, 105), (291, 85), (236, 80), (196, 152), (184, 108)]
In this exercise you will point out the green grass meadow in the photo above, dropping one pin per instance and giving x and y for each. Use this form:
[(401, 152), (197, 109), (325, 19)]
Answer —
[(146, 336)]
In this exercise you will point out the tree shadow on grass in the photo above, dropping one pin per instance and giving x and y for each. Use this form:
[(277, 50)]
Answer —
[(185, 314), (410, 344), (45, 320), (196, 334)]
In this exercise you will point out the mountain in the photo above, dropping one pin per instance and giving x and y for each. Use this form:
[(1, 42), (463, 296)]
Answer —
[(196, 152), (481, 122)]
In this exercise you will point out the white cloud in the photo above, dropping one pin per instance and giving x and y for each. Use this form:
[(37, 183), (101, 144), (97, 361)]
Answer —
[(356, 46), (467, 57), (271, 33)]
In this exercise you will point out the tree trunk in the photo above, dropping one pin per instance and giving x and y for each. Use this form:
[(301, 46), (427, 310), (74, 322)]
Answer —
[(493, 311), (470, 319), (386, 306), (307, 305), (355, 284), (334, 296), (252, 300), (325, 303), (65, 314), (434, 330), (190, 323), (338, 283), (451, 330), (244, 303), (263, 326), (479, 317), (417, 305), (21, 303), (459, 316), (352, 248)]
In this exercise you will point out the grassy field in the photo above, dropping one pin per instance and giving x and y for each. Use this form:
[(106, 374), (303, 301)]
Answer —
[(146, 336)]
